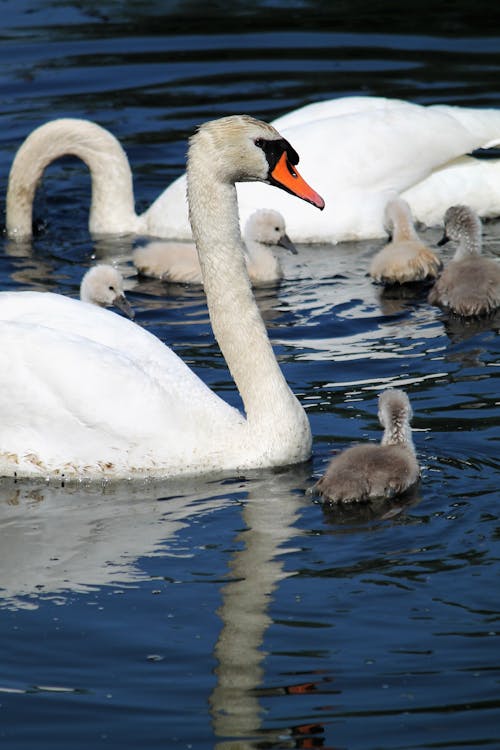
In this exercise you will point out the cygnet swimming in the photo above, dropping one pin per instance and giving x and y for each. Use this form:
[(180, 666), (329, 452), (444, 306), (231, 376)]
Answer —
[(369, 472), (178, 261), (405, 258), (470, 283)]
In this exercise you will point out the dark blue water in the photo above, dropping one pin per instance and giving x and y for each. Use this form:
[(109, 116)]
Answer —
[(238, 612)]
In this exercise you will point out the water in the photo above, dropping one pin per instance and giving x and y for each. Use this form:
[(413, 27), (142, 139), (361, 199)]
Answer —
[(238, 612)]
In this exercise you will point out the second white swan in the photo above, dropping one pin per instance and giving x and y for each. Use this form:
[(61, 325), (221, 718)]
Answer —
[(360, 151)]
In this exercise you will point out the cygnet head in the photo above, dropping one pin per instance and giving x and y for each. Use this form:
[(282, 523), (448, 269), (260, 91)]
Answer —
[(103, 285), (267, 227), (394, 414), (462, 225)]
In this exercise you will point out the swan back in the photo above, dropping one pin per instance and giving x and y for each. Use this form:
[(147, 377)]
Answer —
[(369, 472), (103, 285)]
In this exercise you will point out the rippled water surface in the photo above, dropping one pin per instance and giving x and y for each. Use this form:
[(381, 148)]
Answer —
[(238, 612)]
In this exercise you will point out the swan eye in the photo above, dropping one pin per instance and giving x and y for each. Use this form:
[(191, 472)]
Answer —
[(259, 142)]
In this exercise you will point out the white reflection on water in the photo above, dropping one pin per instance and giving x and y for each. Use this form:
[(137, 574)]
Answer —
[(56, 540)]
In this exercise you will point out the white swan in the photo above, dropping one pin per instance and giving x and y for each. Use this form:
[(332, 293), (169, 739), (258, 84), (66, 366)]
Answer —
[(178, 261), (470, 283), (88, 393), (361, 152), (103, 285), (405, 258)]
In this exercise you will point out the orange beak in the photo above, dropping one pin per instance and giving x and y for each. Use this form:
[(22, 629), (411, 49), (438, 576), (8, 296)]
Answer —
[(286, 176)]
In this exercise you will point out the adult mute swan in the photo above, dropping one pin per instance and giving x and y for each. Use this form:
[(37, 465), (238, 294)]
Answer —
[(370, 471), (405, 258), (178, 261), (103, 285), (88, 393), (470, 283), (362, 151)]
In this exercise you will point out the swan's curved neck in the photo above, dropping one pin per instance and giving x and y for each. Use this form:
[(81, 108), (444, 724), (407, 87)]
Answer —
[(235, 318), (112, 189)]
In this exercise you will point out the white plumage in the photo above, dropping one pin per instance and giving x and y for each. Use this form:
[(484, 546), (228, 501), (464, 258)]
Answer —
[(85, 392), (359, 151)]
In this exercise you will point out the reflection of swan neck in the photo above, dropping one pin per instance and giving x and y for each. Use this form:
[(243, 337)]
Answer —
[(256, 570), (235, 318), (112, 208)]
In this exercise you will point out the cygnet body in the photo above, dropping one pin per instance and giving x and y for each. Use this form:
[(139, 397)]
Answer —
[(369, 472), (103, 285), (405, 258), (178, 261), (470, 284)]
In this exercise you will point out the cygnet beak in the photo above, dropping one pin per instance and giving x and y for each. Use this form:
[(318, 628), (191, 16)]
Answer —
[(122, 303)]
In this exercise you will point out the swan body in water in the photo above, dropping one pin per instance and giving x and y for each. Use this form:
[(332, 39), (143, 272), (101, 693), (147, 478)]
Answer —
[(103, 285), (470, 283), (360, 151), (370, 472), (405, 258), (178, 261), (88, 393)]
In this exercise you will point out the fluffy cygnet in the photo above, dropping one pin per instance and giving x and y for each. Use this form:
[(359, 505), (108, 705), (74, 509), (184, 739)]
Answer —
[(370, 471), (470, 283), (405, 258), (178, 261), (103, 285)]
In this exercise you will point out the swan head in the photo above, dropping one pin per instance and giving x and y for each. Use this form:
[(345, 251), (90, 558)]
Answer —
[(103, 285), (243, 149), (462, 225), (395, 413), (267, 227)]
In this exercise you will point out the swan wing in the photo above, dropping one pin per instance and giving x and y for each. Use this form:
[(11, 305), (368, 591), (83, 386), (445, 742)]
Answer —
[(344, 105), (358, 152), (84, 391), (464, 181), (363, 159)]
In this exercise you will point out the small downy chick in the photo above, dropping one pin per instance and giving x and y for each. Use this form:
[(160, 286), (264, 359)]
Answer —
[(405, 259), (178, 261), (103, 285), (469, 286), (372, 471)]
